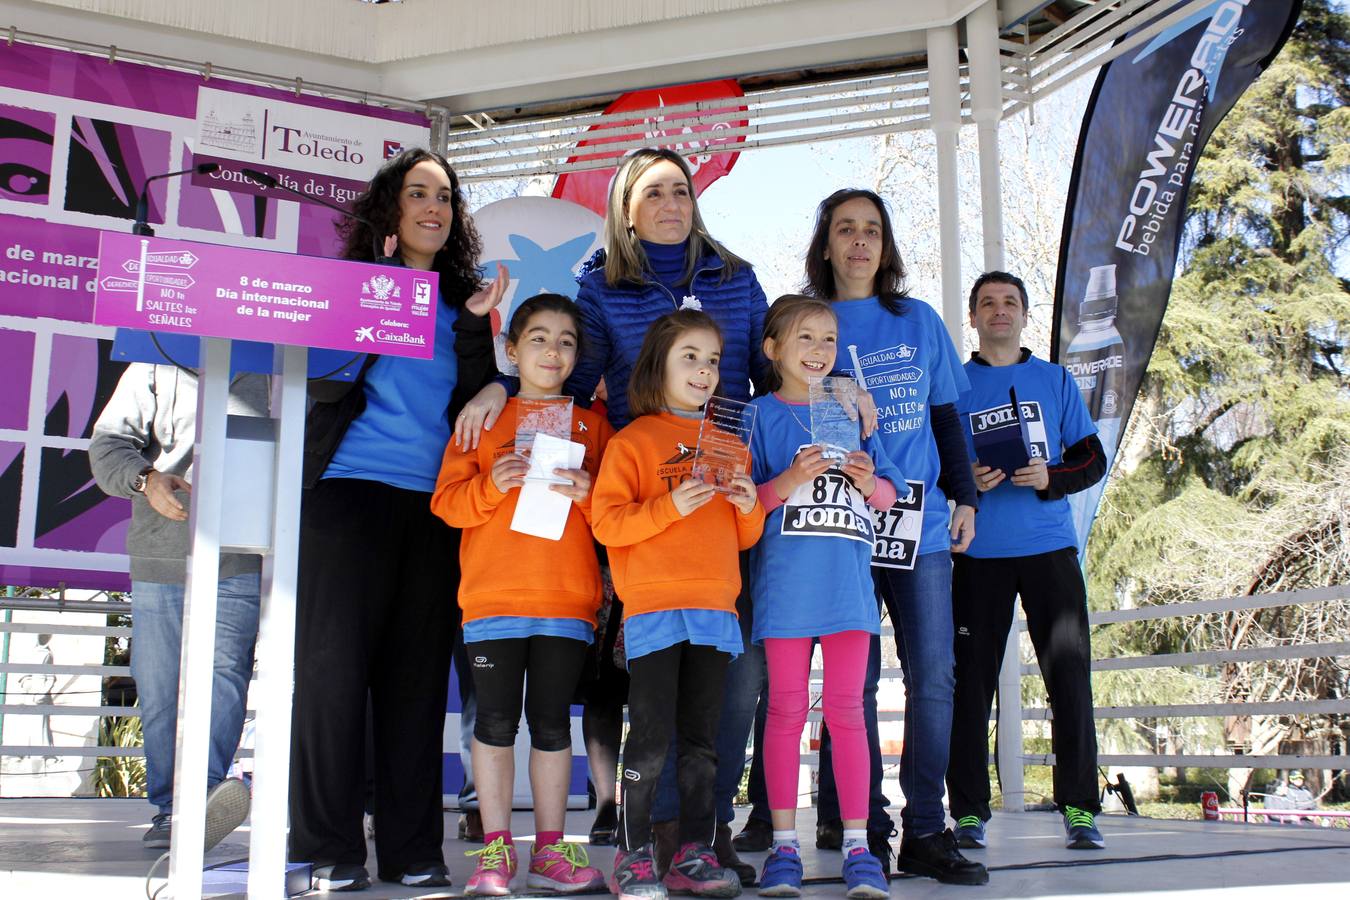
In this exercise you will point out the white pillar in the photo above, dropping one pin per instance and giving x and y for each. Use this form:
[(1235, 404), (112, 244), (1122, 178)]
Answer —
[(986, 106), (1010, 722), (276, 638), (944, 110), (199, 624)]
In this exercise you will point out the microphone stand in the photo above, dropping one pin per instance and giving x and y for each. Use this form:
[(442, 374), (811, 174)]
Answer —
[(143, 202)]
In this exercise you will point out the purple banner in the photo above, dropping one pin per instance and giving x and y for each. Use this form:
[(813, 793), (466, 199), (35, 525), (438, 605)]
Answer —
[(47, 270), (81, 134), (229, 177), (256, 295)]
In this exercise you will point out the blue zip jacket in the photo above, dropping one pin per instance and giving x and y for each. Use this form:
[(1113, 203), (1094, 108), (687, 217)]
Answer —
[(614, 320)]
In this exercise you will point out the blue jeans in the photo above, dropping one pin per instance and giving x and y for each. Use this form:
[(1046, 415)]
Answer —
[(156, 649), (827, 798), (920, 604), (747, 679)]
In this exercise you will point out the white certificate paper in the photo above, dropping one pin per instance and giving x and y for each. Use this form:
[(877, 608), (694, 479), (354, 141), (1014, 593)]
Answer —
[(539, 511)]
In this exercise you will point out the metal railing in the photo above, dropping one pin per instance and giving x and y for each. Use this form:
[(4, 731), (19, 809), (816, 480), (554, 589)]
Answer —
[(1013, 756)]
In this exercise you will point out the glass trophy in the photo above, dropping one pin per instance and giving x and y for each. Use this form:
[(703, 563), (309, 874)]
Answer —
[(834, 416), (723, 442), (550, 416)]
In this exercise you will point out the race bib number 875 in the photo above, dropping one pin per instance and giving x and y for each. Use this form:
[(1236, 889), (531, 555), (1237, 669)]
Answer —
[(827, 506), (895, 544)]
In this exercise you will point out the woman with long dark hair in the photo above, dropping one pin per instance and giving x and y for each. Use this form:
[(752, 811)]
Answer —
[(376, 612), (914, 374)]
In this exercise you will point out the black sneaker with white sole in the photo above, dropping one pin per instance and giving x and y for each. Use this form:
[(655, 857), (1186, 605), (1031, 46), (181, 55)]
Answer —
[(431, 874), (340, 877)]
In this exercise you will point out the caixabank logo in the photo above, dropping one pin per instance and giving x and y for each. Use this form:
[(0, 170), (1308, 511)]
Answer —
[(383, 335)]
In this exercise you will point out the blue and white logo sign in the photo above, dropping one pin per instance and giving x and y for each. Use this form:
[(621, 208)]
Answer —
[(543, 242)]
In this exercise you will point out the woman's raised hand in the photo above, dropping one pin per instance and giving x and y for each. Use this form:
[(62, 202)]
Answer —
[(483, 302)]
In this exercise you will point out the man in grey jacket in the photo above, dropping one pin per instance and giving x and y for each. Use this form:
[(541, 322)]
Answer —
[(142, 450)]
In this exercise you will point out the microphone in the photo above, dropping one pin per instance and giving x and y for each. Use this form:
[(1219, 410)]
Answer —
[(268, 181), (143, 203)]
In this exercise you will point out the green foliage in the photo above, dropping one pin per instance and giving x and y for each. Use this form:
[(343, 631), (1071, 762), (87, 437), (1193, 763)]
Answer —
[(1233, 473), (1247, 392), (119, 776)]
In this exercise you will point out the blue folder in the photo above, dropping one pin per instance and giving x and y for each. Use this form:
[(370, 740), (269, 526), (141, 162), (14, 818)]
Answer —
[(1006, 446)]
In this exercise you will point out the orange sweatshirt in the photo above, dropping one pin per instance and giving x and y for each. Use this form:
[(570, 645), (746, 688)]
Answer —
[(662, 560), (504, 572)]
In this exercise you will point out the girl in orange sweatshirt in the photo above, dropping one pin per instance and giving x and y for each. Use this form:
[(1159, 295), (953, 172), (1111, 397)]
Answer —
[(673, 549), (529, 608)]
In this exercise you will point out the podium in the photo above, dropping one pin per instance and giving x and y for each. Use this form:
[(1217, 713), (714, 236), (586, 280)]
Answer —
[(222, 294)]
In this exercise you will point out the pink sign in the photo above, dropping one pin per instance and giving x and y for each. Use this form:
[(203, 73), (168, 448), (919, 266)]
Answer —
[(211, 290)]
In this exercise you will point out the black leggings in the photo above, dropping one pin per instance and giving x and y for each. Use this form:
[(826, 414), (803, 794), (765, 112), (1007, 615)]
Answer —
[(499, 668), (678, 689)]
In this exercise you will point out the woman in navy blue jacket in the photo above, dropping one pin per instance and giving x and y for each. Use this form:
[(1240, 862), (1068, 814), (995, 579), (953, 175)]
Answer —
[(658, 257)]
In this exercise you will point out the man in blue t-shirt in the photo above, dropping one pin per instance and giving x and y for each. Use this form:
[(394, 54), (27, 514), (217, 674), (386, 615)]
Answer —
[(1042, 451)]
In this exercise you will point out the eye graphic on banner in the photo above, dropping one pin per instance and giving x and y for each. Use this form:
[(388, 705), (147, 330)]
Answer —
[(709, 154), (73, 159), (1146, 126)]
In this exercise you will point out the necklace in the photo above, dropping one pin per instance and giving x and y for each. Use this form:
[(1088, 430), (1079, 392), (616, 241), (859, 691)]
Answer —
[(794, 415)]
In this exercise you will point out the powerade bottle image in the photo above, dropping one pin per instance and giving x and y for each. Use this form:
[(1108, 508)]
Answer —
[(1096, 356)]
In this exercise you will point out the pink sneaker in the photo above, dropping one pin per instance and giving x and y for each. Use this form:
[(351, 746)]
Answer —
[(496, 867), (563, 867), (695, 870)]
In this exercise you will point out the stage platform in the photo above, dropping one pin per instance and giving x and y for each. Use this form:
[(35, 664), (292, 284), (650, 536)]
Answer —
[(57, 849)]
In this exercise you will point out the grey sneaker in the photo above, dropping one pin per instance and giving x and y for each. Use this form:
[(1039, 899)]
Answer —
[(227, 806), (160, 833)]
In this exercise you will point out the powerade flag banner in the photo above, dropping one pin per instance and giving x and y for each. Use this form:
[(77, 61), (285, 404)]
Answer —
[(703, 146), (1150, 115)]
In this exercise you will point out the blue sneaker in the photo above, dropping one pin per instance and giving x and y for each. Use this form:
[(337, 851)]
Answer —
[(970, 833), (1080, 828), (863, 876), (782, 874)]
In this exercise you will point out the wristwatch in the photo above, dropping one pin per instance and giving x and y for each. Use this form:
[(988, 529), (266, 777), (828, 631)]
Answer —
[(138, 485)]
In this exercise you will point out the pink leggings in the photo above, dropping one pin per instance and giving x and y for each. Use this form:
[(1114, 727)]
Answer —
[(789, 662)]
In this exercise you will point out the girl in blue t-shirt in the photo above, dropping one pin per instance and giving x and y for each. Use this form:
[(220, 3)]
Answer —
[(811, 582), (912, 371)]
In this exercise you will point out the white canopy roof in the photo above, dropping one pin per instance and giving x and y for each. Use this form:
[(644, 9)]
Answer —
[(472, 56)]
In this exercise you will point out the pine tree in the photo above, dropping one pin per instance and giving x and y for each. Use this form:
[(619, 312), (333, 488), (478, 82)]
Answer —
[(1233, 480)]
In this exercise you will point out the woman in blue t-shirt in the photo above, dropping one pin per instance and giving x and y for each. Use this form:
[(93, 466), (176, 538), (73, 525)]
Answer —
[(914, 375), (375, 614)]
